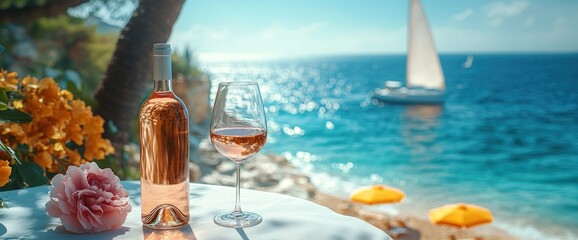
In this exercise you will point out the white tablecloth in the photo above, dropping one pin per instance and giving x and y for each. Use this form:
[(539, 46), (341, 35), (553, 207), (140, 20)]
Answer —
[(284, 217)]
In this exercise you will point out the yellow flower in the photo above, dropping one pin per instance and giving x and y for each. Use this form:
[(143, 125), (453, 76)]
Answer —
[(73, 157), (94, 126), (8, 80), (30, 82), (49, 89), (14, 130), (74, 132), (58, 120), (44, 160), (5, 171), (67, 95), (80, 112), (17, 104)]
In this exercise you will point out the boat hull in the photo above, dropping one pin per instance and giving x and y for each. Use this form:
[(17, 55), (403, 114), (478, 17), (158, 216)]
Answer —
[(410, 96)]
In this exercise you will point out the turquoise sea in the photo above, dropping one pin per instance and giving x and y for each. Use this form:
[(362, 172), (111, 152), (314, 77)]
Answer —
[(506, 138)]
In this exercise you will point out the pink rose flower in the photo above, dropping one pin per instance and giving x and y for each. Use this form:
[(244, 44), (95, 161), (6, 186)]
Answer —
[(88, 199)]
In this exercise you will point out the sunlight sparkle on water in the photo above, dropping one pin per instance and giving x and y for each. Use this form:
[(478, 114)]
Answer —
[(344, 167), (329, 125), (297, 131)]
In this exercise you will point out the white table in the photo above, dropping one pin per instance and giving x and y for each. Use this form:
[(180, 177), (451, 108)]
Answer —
[(284, 217)]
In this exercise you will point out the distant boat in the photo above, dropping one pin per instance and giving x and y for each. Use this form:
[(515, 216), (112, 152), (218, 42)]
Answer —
[(469, 61), (425, 83)]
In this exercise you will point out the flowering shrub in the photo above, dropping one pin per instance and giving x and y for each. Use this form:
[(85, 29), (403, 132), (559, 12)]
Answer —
[(43, 130)]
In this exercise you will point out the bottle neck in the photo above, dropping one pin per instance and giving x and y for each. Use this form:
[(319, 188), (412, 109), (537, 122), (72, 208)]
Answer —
[(162, 73), (163, 85)]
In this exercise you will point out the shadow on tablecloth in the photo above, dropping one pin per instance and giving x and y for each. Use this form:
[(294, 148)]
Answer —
[(3, 229), (183, 233)]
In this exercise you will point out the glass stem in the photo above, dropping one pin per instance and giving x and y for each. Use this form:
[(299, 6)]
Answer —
[(237, 211)]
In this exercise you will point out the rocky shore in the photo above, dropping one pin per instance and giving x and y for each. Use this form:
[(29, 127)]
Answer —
[(273, 173), (266, 172)]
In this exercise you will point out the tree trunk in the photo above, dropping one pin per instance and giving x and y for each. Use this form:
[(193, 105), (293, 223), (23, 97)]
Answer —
[(129, 70)]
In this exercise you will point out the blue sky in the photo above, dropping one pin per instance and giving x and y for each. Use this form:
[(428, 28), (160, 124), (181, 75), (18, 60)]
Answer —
[(256, 29)]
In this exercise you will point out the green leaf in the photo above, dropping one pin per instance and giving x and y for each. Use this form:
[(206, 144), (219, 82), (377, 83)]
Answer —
[(73, 77), (13, 115), (3, 106), (32, 174), (111, 128), (9, 151), (15, 95), (23, 148), (72, 145), (4, 97), (70, 86), (7, 95)]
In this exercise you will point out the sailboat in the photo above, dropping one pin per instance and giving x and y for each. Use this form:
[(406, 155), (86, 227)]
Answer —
[(469, 61), (425, 83)]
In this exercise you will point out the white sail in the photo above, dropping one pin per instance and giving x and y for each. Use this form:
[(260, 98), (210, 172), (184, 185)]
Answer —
[(469, 61), (423, 64)]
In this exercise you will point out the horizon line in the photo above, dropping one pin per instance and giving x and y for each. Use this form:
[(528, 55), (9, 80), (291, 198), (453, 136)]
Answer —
[(236, 57)]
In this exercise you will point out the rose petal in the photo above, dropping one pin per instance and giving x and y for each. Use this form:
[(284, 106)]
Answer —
[(52, 210), (71, 223)]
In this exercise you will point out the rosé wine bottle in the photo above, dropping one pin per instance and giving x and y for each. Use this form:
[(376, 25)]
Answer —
[(164, 150)]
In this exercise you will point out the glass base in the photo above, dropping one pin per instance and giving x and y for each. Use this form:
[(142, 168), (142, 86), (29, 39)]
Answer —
[(238, 220)]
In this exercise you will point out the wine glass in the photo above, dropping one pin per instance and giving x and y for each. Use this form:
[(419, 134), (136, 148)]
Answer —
[(238, 131)]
